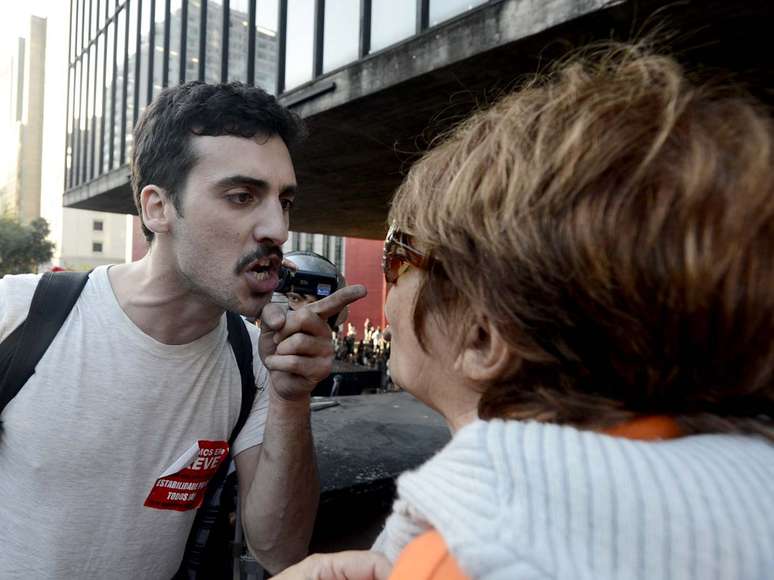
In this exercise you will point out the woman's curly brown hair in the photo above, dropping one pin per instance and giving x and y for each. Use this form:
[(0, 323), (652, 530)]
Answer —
[(615, 221)]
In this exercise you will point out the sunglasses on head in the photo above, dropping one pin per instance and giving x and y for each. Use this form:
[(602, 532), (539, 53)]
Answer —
[(399, 254)]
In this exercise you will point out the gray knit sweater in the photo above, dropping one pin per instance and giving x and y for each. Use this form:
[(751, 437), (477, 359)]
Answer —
[(522, 500)]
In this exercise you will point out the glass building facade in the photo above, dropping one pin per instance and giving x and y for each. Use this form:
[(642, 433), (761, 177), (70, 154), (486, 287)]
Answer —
[(122, 53)]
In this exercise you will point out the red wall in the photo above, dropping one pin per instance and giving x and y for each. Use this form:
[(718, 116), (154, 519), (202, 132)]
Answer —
[(363, 265)]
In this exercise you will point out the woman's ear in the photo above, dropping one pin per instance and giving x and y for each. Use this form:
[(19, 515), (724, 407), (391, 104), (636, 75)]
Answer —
[(485, 355), (156, 207)]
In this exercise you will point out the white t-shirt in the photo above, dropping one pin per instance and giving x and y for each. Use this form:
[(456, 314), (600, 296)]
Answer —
[(108, 412)]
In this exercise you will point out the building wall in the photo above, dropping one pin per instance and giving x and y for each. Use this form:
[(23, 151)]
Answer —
[(32, 121), (21, 107), (363, 266), (92, 238), (11, 136), (10, 124)]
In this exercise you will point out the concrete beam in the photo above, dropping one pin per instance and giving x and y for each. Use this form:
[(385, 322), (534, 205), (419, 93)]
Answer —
[(469, 34), (109, 192)]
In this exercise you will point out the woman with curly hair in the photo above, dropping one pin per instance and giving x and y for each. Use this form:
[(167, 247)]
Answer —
[(598, 249)]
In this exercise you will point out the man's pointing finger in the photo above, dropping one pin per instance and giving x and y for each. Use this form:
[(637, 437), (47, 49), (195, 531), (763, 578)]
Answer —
[(333, 304)]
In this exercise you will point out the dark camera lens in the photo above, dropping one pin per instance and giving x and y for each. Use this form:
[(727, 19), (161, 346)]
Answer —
[(285, 280)]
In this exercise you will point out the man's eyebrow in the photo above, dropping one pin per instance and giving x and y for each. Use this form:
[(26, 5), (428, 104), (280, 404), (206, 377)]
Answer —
[(246, 180), (237, 180)]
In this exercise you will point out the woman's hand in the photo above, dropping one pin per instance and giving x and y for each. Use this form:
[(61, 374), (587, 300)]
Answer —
[(351, 565)]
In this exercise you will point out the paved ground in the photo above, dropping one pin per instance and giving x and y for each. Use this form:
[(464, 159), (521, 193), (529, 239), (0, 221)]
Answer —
[(362, 444), (371, 437)]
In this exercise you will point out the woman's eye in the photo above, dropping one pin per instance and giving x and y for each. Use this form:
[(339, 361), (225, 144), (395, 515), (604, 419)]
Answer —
[(287, 204)]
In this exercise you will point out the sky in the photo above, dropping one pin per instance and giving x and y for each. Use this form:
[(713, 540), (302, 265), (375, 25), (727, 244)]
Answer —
[(15, 16)]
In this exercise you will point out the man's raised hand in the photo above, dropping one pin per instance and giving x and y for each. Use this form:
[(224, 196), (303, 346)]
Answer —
[(296, 345)]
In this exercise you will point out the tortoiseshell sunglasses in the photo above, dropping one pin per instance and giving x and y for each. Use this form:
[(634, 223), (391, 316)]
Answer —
[(399, 254)]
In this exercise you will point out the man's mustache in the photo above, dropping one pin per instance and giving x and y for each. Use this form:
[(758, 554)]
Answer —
[(262, 251)]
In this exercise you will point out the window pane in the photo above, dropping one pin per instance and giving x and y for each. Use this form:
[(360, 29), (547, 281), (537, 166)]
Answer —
[(73, 30), (158, 47), (131, 83), (192, 48), (214, 41), (392, 21), (94, 15), (99, 88), (175, 51), (339, 261), (87, 111), (71, 127), (109, 88), (145, 23), (78, 132), (342, 33), (120, 83), (443, 9), (92, 119), (238, 29), (100, 8), (82, 74), (82, 24), (266, 45), (299, 43), (86, 23)]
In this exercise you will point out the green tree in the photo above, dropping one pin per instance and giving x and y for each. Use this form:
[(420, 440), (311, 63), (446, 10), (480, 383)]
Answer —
[(23, 247)]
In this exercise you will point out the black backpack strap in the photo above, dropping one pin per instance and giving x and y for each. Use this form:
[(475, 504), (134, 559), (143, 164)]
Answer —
[(194, 564), (239, 338), (54, 298)]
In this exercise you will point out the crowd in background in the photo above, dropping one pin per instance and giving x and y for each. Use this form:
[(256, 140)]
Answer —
[(373, 351), (369, 352)]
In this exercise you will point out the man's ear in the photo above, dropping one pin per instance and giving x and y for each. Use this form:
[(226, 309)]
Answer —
[(485, 355), (157, 209)]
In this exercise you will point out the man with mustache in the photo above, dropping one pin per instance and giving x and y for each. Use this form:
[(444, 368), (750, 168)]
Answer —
[(140, 389)]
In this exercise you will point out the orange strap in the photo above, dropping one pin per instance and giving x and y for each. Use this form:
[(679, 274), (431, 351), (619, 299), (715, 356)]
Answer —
[(427, 557), (648, 428)]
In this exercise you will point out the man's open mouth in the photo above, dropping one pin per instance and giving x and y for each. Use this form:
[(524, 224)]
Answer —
[(263, 267)]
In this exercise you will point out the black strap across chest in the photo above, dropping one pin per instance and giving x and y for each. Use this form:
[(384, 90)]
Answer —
[(54, 298)]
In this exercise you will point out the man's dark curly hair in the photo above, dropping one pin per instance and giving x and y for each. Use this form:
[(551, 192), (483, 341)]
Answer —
[(162, 152)]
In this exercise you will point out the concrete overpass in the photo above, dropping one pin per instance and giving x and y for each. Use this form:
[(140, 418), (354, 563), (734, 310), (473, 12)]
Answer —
[(370, 119)]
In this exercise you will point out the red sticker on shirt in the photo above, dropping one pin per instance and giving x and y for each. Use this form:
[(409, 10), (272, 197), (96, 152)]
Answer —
[(183, 484)]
